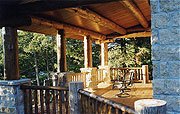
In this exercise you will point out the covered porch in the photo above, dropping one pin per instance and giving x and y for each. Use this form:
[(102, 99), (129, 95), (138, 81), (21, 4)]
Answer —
[(93, 21)]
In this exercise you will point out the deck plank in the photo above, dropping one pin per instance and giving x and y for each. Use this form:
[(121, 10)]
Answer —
[(138, 91)]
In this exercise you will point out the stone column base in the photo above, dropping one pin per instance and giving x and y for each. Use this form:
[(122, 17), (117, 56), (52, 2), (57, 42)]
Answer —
[(91, 77), (105, 72), (11, 96)]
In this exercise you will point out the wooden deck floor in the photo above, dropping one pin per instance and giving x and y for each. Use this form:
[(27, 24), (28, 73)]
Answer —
[(138, 91)]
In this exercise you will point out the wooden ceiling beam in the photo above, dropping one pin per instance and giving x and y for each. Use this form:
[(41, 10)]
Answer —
[(137, 29), (37, 6), (93, 16), (68, 28), (135, 35), (136, 12)]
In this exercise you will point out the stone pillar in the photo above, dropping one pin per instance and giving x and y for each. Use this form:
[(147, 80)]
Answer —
[(87, 52), (11, 96), (91, 77), (61, 51), (10, 48), (150, 106), (74, 98), (165, 25), (104, 73)]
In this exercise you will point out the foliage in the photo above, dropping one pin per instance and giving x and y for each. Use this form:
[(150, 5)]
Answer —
[(1, 57), (130, 53), (75, 55), (39, 46), (122, 53)]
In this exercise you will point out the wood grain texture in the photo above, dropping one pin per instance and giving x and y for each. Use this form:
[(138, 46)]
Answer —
[(93, 16), (136, 12), (10, 45)]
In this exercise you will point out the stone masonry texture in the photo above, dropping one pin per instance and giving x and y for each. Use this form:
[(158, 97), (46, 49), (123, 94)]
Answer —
[(11, 97), (165, 25)]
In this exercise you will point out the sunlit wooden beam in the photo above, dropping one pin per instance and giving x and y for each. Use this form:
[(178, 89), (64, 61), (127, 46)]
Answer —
[(68, 28), (136, 12), (93, 16), (104, 41), (135, 35)]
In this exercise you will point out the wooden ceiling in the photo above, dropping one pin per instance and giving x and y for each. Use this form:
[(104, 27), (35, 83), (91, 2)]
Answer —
[(112, 19)]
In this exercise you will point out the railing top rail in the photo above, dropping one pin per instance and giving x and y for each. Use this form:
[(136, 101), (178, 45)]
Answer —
[(44, 87), (109, 102), (127, 68)]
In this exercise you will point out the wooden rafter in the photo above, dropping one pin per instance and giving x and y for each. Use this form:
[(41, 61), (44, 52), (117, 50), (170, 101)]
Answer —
[(68, 28), (136, 12), (37, 6), (93, 16), (138, 29), (104, 41), (135, 35)]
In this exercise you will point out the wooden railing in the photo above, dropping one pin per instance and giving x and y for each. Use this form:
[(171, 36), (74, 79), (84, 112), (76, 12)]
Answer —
[(45, 100), (137, 72), (101, 74), (76, 77), (94, 104)]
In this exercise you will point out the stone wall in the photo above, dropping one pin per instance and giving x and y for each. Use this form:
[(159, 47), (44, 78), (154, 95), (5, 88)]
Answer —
[(11, 96), (166, 52)]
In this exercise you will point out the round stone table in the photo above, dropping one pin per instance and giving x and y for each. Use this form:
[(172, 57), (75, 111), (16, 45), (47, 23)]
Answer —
[(150, 106)]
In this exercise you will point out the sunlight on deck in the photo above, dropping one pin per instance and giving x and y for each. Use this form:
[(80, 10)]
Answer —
[(138, 91)]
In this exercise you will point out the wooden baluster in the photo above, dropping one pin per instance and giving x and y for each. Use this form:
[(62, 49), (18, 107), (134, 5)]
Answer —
[(42, 101), (36, 101), (93, 106), (96, 106), (103, 108), (47, 101), (87, 105), (109, 109), (138, 74), (100, 107), (113, 110), (135, 74), (30, 101), (141, 75), (116, 111), (54, 102), (120, 111), (85, 101), (60, 102), (90, 104), (84, 80)]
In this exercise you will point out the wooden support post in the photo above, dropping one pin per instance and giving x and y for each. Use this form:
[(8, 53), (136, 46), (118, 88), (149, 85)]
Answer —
[(145, 73), (87, 52), (74, 98), (61, 51), (10, 47), (104, 54), (150, 106)]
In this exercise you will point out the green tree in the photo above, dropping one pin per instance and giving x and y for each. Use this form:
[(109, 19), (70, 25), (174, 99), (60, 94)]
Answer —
[(130, 53), (36, 54), (1, 58), (75, 55)]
